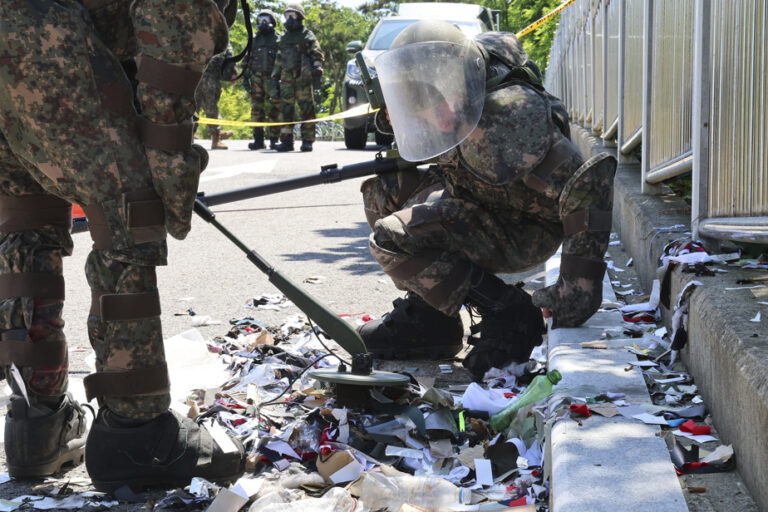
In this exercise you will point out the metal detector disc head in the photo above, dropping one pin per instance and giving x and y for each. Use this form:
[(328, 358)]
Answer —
[(375, 378)]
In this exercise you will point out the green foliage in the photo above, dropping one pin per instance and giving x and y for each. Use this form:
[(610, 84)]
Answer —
[(335, 26)]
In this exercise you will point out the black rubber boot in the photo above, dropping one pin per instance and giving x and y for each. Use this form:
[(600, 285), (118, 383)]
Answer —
[(510, 328), (39, 443), (258, 139), (413, 330), (286, 144), (165, 452), (306, 145), (273, 143)]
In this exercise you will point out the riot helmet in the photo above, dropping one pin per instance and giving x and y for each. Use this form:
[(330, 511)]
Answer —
[(266, 20), (293, 16), (433, 82)]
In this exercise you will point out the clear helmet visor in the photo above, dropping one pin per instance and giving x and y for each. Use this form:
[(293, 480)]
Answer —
[(434, 92)]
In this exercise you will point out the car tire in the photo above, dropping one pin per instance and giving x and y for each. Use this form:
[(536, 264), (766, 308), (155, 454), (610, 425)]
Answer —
[(355, 138), (384, 139)]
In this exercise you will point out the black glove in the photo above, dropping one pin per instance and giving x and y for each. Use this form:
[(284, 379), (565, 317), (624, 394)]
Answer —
[(317, 81), (275, 92)]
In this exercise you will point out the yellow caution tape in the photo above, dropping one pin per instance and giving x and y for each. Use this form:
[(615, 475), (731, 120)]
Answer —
[(536, 24), (360, 110)]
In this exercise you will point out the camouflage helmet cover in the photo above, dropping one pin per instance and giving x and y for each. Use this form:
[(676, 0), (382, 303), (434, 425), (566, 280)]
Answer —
[(268, 12), (428, 30), (295, 7)]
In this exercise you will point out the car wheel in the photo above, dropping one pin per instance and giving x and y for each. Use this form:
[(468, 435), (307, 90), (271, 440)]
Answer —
[(355, 138), (384, 139)]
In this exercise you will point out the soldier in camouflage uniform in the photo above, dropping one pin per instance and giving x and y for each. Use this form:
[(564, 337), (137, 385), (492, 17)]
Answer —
[(257, 73), (507, 189), (298, 68), (208, 93), (70, 131)]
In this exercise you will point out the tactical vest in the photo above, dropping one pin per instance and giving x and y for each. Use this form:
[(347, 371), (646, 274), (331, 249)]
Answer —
[(294, 53), (263, 53)]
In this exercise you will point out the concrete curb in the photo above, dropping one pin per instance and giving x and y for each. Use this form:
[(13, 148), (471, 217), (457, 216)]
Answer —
[(605, 464), (726, 354)]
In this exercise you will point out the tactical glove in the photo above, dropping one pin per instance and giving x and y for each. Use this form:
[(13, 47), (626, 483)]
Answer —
[(275, 92)]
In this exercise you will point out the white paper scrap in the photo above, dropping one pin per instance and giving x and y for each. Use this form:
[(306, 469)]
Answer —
[(650, 419), (4, 477), (756, 318), (483, 472), (699, 439)]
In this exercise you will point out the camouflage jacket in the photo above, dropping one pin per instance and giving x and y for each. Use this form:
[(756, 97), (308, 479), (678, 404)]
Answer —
[(261, 60), (298, 55)]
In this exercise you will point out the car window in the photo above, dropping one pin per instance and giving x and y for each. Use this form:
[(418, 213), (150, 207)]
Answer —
[(389, 29)]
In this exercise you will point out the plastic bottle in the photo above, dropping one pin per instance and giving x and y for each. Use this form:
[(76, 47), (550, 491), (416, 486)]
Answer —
[(540, 388), (379, 491)]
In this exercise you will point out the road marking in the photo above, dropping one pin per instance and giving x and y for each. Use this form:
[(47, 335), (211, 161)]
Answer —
[(218, 173)]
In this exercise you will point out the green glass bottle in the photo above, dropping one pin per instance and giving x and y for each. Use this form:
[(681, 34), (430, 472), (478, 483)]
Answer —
[(540, 388)]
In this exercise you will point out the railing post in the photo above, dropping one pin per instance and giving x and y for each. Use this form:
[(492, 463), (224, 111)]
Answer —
[(645, 152), (620, 83), (604, 71), (700, 121)]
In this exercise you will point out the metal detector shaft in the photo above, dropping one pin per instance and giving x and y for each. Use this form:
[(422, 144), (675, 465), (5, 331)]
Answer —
[(336, 328), (328, 174)]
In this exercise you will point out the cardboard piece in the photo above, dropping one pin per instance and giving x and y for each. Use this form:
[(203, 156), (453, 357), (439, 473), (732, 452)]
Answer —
[(594, 344), (339, 467)]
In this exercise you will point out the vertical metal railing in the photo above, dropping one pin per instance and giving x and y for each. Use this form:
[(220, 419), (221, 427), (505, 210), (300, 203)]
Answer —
[(671, 90), (737, 175), (632, 120), (692, 91), (611, 107), (597, 70)]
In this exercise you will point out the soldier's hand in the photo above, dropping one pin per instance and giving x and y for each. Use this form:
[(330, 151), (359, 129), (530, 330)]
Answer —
[(275, 92), (317, 81)]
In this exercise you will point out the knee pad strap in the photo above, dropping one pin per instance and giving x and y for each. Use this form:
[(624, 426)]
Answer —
[(140, 381), (17, 348), (26, 213), (125, 306), (31, 284)]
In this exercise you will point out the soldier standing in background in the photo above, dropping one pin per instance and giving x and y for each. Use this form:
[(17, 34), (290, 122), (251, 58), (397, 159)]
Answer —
[(97, 109), (208, 93), (298, 68), (257, 71)]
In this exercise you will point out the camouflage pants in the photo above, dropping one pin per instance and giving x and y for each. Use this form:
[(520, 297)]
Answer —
[(261, 89), (424, 238), (71, 135), (292, 91), (207, 97)]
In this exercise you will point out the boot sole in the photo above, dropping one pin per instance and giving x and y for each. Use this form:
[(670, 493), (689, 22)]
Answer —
[(432, 352), (140, 484), (74, 457)]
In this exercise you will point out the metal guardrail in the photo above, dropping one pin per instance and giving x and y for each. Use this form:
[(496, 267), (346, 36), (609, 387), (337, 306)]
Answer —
[(685, 81)]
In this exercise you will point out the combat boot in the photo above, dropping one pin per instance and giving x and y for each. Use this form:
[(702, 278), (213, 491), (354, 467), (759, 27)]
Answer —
[(413, 330), (273, 143), (216, 142), (39, 442), (258, 139), (286, 144), (510, 327), (306, 145), (164, 452), (226, 134)]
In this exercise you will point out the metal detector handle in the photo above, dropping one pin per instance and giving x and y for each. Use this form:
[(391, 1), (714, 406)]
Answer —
[(328, 174)]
